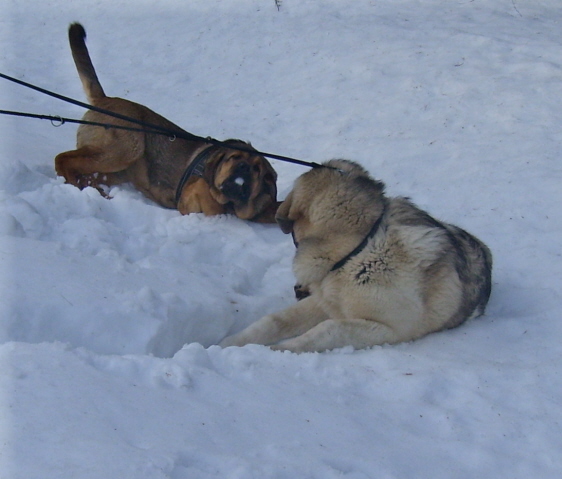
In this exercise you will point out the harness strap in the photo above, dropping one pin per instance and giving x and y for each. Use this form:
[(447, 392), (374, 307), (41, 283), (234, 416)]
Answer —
[(195, 168), (361, 245)]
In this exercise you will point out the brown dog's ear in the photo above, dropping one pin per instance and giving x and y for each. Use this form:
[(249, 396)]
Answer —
[(209, 173), (211, 165), (269, 177), (283, 215)]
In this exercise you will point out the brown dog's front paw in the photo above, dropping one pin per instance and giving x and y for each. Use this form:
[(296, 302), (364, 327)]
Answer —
[(301, 292)]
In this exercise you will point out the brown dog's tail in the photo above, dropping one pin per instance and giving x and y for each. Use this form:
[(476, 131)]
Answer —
[(86, 71)]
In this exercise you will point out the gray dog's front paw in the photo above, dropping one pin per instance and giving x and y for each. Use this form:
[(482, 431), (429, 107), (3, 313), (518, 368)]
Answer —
[(228, 341)]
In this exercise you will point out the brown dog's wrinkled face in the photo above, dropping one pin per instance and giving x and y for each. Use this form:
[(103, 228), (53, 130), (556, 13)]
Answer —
[(244, 181)]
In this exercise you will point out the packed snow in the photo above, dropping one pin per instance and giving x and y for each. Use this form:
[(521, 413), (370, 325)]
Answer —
[(111, 310)]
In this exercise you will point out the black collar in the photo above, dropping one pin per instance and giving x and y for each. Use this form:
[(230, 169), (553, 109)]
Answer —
[(361, 245), (195, 168)]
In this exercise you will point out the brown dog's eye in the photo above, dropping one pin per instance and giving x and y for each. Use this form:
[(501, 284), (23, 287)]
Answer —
[(256, 168)]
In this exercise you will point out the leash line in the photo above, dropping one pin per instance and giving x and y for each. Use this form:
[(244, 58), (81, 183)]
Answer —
[(147, 127), (86, 106), (62, 120)]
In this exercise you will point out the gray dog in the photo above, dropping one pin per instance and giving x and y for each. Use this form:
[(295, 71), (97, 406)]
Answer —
[(378, 270)]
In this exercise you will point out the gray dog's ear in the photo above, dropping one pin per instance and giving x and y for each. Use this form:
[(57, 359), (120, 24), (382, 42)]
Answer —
[(285, 224), (283, 216)]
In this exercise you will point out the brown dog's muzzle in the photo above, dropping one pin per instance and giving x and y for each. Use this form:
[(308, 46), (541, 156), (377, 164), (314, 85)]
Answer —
[(238, 186)]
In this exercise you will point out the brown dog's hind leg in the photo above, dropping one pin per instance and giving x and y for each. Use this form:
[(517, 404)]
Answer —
[(86, 167)]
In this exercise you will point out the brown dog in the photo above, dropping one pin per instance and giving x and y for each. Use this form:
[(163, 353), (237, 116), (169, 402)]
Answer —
[(189, 175)]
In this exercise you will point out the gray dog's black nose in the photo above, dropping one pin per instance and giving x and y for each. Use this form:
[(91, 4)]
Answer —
[(301, 292)]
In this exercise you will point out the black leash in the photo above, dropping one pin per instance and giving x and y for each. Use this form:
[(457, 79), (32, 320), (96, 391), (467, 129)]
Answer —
[(59, 121), (146, 127), (163, 131)]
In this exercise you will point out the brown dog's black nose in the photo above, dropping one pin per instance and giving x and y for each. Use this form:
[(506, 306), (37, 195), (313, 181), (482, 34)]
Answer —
[(238, 185)]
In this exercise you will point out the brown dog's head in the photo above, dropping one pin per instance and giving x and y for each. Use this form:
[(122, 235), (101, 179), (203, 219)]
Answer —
[(243, 181)]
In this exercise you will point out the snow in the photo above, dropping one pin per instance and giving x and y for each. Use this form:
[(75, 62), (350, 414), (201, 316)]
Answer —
[(111, 310)]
